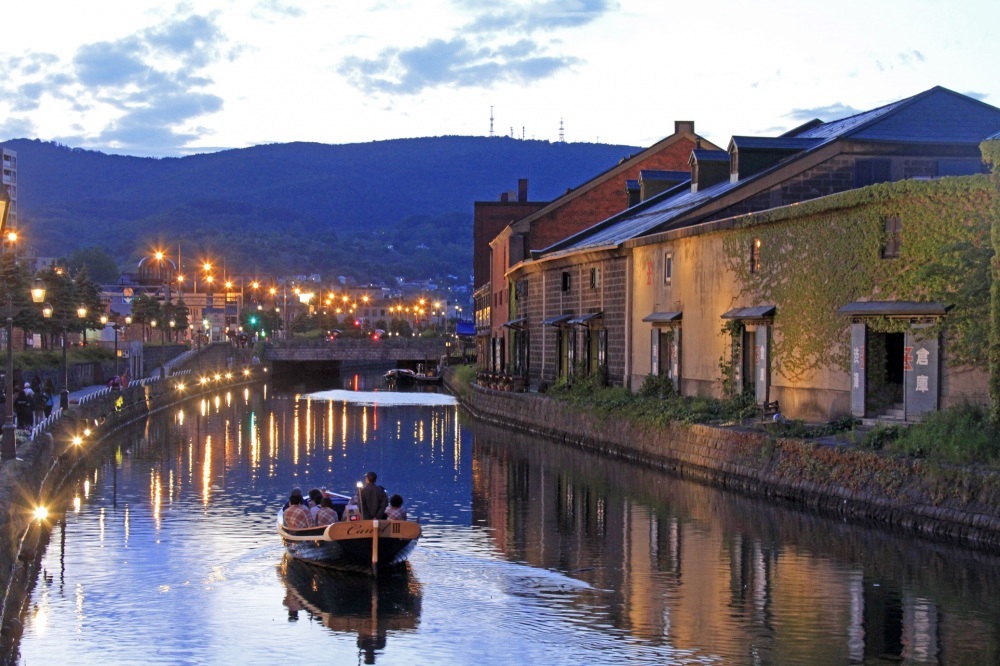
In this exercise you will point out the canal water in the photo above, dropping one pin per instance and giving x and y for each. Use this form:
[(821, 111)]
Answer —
[(166, 553)]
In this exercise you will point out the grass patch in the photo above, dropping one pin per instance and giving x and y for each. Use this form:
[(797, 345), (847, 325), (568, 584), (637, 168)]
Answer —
[(959, 435), (50, 359)]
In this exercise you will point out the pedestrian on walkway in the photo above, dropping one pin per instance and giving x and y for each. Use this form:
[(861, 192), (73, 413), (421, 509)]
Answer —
[(24, 406), (39, 405), (50, 396)]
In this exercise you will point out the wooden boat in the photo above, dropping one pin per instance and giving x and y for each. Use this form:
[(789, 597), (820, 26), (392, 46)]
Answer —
[(352, 543)]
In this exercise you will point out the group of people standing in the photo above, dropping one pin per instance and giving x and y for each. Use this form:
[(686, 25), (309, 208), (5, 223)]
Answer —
[(317, 508), (33, 402)]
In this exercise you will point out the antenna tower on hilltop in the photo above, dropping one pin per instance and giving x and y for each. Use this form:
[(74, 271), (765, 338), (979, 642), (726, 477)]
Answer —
[(491, 121), (562, 135)]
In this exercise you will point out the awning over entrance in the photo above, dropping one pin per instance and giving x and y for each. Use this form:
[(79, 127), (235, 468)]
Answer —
[(894, 309), (517, 324), (558, 320), (584, 320), (758, 312), (663, 317)]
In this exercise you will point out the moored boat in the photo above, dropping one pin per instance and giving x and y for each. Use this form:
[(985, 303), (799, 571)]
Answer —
[(352, 543)]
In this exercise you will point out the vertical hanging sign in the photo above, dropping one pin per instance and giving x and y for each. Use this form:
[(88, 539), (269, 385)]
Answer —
[(762, 375), (920, 374), (858, 340)]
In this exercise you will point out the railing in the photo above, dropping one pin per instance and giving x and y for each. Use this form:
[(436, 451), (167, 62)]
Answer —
[(56, 414)]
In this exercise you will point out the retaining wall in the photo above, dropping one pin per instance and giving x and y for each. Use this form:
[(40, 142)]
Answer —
[(937, 500)]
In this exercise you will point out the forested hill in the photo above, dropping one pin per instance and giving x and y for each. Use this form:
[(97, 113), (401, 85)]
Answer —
[(368, 210)]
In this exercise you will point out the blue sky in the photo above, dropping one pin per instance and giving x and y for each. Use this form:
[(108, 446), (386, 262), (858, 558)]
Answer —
[(156, 78)]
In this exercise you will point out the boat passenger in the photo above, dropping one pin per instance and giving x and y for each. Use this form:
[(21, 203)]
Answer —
[(372, 499), (315, 495), (296, 515), (295, 491), (326, 514), (396, 510)]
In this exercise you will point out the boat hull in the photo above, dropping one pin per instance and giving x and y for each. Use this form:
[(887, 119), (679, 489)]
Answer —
[(362, 545)]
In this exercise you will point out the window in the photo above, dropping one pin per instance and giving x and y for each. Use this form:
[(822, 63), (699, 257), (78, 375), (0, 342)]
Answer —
[(755, 256), (668, 267), (565, 281), (869, 172), (595, 278), (893, 237)]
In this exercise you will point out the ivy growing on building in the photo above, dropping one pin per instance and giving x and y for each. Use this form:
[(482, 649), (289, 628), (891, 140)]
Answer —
[(817, 256), (991, 155)]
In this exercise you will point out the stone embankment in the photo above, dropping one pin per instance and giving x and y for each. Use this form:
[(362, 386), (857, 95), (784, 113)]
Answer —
[(941, 501), (44, 464)]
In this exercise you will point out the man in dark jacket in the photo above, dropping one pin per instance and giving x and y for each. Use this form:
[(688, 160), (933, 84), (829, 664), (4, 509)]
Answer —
[(24, 406), (372, 499)]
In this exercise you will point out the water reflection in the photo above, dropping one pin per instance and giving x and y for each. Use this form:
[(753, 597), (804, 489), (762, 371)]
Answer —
[(532, 552), (371, 608), (690, 567)]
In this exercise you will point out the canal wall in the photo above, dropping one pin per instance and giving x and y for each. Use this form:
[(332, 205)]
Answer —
[(44, 464), (960, 503)]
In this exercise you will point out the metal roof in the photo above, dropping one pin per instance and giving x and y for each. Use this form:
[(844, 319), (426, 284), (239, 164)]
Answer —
[(558, 320), (662, 317), (774, 143), (583, 320), (937, 115), (702, 155), (515, 323), (756, 312), (894, 309)]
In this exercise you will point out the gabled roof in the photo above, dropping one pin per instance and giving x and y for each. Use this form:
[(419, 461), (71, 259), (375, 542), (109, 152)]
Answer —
[(624, 164), (937, 115), (924, 118), (774, 143)]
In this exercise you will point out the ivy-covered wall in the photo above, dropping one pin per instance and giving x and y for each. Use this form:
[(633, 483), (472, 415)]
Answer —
[(820, 255), (813, 258), (991, 155)]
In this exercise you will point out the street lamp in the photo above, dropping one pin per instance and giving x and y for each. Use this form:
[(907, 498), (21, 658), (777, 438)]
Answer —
[(116, 326), (8, 444), (81, 312)]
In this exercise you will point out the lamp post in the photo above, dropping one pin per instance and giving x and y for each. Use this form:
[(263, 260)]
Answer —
[(8, 444), (81, 312)]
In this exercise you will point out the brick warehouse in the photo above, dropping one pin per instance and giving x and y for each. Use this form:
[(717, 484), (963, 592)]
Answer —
[(567, 303), (501, 344)]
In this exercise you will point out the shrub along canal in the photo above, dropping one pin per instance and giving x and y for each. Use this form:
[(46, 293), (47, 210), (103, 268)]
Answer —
[(166, 552)]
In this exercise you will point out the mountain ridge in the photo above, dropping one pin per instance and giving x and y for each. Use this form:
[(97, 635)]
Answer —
[(348, 209)]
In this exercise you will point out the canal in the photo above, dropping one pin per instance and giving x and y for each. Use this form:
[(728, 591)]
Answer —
[(166, 553)]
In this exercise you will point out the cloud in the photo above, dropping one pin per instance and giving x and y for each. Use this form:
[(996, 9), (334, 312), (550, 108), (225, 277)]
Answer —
[(456, 62), (538, 16), (494, 47), (152, 80), (276, 7), (824, 113), (17, 128)]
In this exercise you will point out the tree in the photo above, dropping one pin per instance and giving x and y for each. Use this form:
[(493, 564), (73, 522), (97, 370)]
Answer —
[(146, 309), (98, 262), (179, 312)]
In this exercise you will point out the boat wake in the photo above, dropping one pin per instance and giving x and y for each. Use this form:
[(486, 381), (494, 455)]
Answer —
[(384, 398)]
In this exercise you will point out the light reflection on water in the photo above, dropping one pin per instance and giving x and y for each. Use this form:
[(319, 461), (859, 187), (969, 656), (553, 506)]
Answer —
[(532, 552)]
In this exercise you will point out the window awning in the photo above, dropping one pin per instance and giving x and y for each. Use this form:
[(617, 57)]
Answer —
[(663, 317), (518, 323), (584, 320), (894, 309), (558, 320), (758, 312)]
